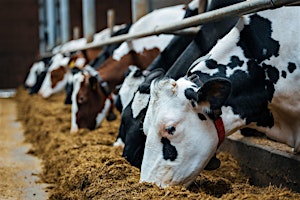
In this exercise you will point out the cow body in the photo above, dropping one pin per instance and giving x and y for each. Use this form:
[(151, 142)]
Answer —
[(131, 134), (249, 79), (139, 52)]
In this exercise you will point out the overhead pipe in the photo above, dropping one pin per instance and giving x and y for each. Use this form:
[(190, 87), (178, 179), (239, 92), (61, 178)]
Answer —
[(233, 10), (89, 19)]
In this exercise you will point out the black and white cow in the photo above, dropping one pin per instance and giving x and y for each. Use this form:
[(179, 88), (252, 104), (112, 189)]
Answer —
[(251, 79), (94, 90), (36, 74), (135, 76), (131, 134)]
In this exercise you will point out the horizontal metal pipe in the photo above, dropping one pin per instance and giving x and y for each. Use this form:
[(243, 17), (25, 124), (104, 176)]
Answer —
[(233, 10)]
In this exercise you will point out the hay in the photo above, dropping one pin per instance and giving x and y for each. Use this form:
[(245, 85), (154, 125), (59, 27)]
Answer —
[(85, 165)]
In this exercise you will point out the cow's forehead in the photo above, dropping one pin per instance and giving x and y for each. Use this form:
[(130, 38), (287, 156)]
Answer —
[(171, 89), (59, 62), (78, 77)]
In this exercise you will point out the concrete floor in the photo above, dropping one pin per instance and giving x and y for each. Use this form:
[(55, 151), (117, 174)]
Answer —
[(18, 170)]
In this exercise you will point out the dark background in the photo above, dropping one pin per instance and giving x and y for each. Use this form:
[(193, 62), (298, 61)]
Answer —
[(19, 33)]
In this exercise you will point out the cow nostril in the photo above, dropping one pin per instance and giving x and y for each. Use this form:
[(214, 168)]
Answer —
[(171, 129), (80, 100)]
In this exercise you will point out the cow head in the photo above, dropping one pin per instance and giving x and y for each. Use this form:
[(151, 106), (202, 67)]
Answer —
[(91, 100), (180, 129), (56, 77), (34, 71)]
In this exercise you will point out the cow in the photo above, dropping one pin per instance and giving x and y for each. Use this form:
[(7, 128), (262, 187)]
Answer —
[(35, 69), (105, 53), (36, 73), (131, 134), (77, 59), (91, 98), (134, 76), (250, 78)]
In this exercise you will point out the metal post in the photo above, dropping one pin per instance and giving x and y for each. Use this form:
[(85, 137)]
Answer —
[(42, 26), (76, 33), (64, 20), (139, 8), (111, 20), (89, 19), (50, 10)]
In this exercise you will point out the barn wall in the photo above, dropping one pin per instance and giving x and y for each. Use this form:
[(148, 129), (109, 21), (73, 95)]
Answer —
[(122, 13), (18, 40)]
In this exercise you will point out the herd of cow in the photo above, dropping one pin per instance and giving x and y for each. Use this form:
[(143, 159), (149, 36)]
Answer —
[(183, 94)]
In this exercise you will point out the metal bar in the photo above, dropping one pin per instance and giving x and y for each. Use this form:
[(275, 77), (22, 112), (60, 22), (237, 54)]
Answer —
[(139, 8), (65, 20), (42, 27), (57, 24), (187, 31), (51, 29), (233, 10), (111, 20), (89, 19)]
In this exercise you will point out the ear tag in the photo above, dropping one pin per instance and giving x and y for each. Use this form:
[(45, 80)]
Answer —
[(72, 64)]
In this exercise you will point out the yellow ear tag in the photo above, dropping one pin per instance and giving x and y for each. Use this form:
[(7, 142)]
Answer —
[(72, 64)]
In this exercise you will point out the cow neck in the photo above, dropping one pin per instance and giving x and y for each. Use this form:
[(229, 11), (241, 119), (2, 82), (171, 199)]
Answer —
[(220, 129)]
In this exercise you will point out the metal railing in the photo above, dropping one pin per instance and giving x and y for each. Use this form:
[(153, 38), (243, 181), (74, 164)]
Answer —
[(238, 9)]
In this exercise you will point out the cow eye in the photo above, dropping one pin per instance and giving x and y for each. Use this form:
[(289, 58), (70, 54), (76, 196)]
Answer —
[(171, 129)]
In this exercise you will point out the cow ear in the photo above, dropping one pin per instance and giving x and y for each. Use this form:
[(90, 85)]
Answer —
[(145, 86), (93, 82), (215, 91)]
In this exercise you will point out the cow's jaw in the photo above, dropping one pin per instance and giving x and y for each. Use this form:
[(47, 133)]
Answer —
[(178, 155)]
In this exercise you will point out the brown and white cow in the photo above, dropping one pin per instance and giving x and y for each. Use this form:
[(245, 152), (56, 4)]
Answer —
[(91, 98), (59, 74)]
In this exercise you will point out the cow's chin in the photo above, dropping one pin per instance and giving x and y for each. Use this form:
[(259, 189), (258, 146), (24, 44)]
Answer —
[(183, 171), (165, 176)]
